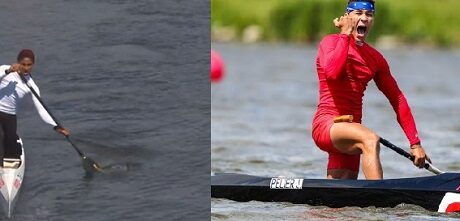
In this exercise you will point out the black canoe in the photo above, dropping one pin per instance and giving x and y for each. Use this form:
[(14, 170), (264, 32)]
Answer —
[(426, 192)]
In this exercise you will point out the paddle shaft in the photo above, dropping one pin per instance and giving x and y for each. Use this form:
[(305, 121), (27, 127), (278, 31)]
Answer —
[(402, 152), (52, 116)]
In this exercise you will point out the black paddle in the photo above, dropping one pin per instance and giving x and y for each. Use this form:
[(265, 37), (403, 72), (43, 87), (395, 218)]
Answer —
[(427, 166), (88, 164)]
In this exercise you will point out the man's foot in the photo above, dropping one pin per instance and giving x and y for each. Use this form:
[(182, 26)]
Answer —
[(11, 163)]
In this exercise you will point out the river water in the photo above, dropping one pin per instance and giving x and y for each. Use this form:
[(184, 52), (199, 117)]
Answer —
[(126, 77), (261, 124)]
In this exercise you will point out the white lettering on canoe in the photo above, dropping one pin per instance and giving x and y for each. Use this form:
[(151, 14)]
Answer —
[(286, 183)]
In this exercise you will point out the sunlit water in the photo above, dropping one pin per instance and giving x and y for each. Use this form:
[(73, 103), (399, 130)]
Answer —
[(261, 124)]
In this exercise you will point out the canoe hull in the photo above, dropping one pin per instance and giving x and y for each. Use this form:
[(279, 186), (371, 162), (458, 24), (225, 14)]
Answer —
[(426, 192), (10, 184)]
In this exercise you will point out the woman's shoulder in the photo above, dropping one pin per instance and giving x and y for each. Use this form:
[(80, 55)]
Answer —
[(4, 66)]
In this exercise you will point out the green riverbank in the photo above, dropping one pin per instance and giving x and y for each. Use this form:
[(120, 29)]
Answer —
[(415, 22)]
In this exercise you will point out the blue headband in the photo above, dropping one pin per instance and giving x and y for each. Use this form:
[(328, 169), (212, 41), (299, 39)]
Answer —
[(360, 6)]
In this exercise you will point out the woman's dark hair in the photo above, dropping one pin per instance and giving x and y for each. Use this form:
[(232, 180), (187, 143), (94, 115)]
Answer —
[(26, 53)]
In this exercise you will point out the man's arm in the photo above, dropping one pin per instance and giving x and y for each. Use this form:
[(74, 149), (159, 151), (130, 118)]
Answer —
[(387, 84)]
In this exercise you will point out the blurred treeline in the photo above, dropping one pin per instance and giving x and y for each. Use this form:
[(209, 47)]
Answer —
[(420, 22)]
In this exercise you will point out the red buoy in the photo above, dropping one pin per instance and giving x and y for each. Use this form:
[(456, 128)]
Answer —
[(217, 67)]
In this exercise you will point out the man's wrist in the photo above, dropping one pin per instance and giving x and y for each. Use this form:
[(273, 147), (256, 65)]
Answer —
[(415, 146)]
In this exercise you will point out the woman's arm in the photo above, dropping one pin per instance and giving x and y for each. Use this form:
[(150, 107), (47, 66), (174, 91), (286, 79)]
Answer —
[(40, 109)]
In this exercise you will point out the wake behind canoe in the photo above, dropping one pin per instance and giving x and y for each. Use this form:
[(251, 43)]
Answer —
[(427, 192)]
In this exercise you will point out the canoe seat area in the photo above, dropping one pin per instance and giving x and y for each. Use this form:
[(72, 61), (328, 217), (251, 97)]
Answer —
[(11, 163)]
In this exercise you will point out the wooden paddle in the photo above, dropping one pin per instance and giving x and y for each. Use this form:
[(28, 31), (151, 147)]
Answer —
[(88, 164), (402, 152)]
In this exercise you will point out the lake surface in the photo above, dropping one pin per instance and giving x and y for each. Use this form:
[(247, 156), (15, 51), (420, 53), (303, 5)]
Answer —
[(126, 77), (261, 124)]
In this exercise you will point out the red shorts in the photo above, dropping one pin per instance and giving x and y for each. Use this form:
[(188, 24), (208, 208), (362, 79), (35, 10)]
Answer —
[(321, 135)]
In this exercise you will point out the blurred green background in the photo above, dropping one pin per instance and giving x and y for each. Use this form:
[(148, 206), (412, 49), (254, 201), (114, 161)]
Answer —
[(432, 23)]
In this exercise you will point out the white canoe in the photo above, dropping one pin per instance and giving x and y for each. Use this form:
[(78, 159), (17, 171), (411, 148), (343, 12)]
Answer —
[(10, 184)]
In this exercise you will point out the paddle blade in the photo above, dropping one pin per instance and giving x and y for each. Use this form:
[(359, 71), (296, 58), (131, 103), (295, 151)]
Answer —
[(90, 165)]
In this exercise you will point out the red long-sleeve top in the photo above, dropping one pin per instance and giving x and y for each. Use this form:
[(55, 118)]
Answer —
[(344, 69)]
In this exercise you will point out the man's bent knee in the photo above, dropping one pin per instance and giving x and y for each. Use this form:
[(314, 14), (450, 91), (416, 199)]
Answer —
[(371, 143)]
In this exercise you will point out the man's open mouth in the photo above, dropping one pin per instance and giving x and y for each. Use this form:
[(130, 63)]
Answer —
[(361, 29)]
